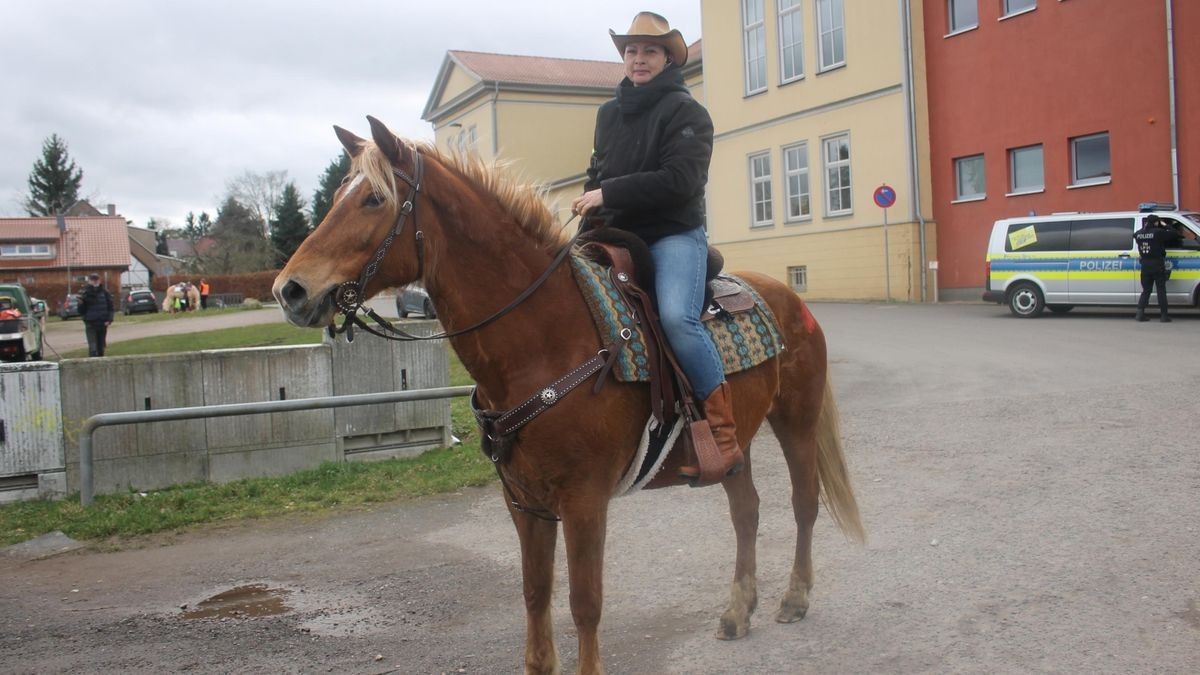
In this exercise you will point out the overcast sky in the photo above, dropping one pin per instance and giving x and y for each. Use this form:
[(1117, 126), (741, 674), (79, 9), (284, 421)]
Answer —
[(161, 102)]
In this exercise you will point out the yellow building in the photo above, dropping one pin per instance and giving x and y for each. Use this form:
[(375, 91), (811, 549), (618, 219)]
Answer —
[(815, 106), (533, 112)]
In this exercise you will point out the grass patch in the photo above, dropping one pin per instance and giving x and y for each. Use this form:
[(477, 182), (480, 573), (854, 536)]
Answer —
[(262, 335), (330, 486)]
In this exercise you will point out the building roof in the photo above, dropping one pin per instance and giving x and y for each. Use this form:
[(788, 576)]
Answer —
[(93, 241), (510, 71), (509, 68)]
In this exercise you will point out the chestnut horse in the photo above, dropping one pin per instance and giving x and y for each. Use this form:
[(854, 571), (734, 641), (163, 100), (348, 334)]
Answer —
[(477, 240)]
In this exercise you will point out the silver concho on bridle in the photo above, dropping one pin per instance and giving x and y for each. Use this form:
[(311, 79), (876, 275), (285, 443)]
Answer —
[(548, 395)]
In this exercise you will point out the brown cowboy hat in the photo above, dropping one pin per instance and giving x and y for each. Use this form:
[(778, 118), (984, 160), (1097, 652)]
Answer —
[(651, 27)]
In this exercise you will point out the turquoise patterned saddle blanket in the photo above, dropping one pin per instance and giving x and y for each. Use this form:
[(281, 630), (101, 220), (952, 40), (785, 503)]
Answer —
[(743, 339)]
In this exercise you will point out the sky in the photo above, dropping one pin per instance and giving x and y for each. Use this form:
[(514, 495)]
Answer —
[(161, 102)]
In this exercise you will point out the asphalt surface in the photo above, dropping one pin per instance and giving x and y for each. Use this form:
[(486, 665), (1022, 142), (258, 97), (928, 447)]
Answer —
[(1031, 490)]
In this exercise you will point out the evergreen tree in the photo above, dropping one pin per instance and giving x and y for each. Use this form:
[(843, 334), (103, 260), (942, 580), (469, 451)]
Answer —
[(55, 180), (290, 226), (240, 244), (331, 180)]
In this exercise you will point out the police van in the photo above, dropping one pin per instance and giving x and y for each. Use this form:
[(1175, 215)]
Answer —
[(1062, 260)]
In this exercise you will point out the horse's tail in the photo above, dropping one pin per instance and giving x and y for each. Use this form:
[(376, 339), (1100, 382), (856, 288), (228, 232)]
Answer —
[(836, 493)]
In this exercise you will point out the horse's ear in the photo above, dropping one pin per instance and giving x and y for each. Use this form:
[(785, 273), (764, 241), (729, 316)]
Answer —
[(385, 140), (352, 143)]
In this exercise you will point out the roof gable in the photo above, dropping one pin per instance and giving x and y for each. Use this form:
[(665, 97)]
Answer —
[(465, 74), (87, 241)]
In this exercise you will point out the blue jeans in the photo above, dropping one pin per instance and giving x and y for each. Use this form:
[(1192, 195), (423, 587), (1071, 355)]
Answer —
[(680, 261)]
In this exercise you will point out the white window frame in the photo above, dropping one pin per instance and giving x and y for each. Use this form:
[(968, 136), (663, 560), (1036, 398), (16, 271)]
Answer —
[(1013, 188), (835, 31), (764, 180), (953, 29), (791, 15), (1095, 180), (754, 47), (26, 251), (959, 195), (837, 164), (798, 278), (801, 150), (1007, 8)]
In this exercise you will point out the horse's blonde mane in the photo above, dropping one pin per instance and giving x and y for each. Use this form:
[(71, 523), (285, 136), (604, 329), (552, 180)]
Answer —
[(521, 201)]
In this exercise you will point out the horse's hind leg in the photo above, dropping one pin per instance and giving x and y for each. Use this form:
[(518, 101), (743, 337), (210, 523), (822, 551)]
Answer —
[(743, 595), (538, 539), (794, 421)]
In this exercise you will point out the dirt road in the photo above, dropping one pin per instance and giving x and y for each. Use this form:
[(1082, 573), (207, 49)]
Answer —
[(1030, 496)]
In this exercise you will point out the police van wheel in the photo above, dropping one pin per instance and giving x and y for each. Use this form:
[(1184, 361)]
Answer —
[(1025, 300)]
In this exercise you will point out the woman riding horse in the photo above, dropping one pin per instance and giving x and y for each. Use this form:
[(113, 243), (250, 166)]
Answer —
[(653, 143)]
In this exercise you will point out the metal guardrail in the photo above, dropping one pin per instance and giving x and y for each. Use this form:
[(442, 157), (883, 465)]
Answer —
[(86, 479)]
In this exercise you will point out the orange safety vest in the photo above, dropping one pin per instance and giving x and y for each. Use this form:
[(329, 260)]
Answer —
[(204, 289)]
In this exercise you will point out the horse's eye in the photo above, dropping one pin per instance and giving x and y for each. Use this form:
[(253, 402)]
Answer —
[(373, 200)]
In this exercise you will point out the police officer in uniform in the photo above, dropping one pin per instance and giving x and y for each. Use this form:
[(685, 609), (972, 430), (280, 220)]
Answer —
[(1152, 242)]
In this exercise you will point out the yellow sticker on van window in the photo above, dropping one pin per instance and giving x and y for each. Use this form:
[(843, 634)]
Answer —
[(1019, 239)]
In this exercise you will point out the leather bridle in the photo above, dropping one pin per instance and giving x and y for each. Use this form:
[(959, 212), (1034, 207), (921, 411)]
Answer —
[(350, 295)]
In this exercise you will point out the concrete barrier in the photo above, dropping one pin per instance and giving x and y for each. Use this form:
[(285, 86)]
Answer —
[(150, 456)]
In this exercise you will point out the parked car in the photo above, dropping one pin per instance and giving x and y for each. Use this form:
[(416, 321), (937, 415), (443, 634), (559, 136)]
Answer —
[(139, 300), (69, 307), (20, 324), (414, 299)]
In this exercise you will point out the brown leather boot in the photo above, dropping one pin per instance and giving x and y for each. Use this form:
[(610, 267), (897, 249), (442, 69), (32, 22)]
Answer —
[(718, 412)]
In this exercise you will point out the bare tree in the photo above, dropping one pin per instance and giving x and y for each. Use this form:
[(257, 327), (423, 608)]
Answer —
[(258, 192)]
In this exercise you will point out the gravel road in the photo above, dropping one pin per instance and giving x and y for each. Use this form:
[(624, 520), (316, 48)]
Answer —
[(1031, 490)]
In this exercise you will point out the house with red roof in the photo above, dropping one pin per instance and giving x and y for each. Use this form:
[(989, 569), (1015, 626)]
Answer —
[(49, 255)]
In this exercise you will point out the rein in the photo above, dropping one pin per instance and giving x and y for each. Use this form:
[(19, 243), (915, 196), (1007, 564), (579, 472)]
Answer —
[(349, 296)]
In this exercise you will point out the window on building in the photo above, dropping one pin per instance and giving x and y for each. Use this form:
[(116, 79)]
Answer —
[(791, 41), (1090, 160), (1018, 6), (969, 181), (760, 190), (754, 37), (795, 174), (798, 278), (836, 153), (1025, 169), (963, 14), (26, 251), (831, 28)]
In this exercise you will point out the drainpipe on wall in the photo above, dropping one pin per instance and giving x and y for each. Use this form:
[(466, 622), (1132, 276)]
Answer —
[(914, 181), (495, 129), (1171, 88)]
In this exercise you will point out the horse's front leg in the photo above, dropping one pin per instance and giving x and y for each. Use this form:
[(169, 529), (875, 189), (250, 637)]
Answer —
[(538, 537), (584, 528), (743, 595)]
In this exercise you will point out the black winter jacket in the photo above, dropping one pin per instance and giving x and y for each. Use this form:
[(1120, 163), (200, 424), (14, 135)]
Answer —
[(650, 157), (95, 304)]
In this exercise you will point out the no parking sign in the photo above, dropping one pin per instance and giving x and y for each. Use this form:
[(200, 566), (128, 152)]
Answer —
[(885, 196)]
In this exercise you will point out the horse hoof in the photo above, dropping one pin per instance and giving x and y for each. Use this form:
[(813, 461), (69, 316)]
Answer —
[(790, 614), (732, 629)]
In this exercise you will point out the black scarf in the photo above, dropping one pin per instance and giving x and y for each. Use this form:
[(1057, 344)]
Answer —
[(636, 99)]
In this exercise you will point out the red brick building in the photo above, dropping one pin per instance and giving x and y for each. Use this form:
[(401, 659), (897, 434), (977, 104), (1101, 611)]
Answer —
[(47, 254), (1056, 105)]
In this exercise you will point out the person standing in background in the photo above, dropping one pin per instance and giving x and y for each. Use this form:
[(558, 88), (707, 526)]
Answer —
[(96, 310), (203, 294), (1152, 242)]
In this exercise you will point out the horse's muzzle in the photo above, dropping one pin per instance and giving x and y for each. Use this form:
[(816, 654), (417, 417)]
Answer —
[(300, 308)]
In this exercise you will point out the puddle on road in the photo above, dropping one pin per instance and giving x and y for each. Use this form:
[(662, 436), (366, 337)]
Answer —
[(244, 601)]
